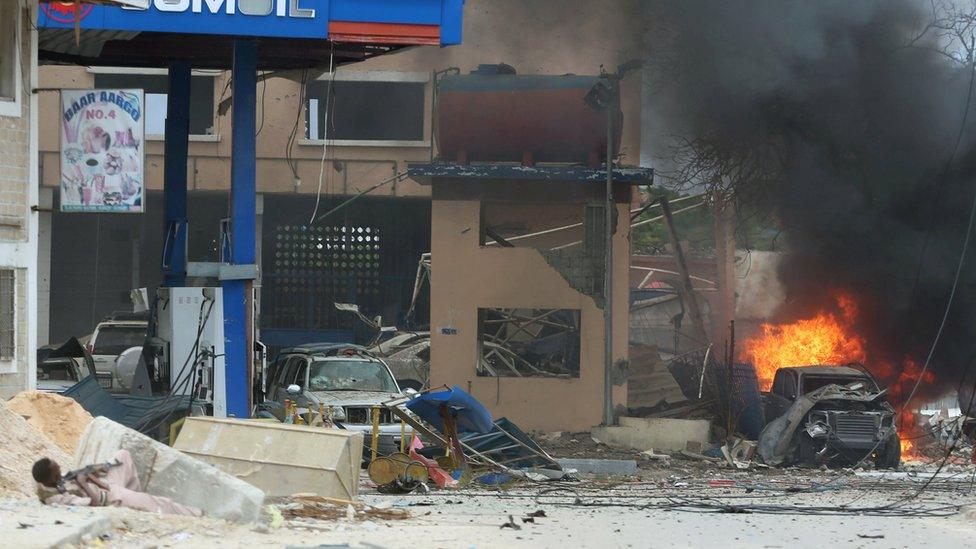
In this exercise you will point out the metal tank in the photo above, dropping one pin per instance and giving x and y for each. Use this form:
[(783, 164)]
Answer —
[(496, 115)]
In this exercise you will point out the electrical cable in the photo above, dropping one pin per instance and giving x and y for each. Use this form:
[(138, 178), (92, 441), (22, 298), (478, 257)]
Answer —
[(264, 95), (178, 384), (325, 136), (292, 137), (395, 178)]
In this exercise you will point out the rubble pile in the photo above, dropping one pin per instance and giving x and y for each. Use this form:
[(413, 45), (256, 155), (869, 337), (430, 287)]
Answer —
[(20, 446), (61, 419)]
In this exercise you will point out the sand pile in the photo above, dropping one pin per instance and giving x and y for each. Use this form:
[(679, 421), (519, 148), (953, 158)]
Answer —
[(61, 419), (20, 446)]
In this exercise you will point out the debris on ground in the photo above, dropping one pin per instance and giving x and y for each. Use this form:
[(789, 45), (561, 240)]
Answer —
[(20, 446), (511, 524), (61, 419), (307, 506)]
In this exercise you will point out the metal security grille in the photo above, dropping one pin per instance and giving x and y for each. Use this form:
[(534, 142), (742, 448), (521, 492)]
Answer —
[(365, 253), (333, 263), (7, 288)]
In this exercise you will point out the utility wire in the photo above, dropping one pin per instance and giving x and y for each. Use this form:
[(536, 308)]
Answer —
[(325, 137)]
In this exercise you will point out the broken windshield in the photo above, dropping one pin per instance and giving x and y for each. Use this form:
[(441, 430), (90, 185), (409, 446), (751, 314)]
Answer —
[(350, 375), (812, 383)]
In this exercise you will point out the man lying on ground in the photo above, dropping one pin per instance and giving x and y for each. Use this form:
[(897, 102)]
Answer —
[(114, 484)]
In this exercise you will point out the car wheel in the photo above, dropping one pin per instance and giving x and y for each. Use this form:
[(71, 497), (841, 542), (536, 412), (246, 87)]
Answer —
[(889, 456)]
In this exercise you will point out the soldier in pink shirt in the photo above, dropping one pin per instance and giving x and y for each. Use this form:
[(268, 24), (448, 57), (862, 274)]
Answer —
[(102, 485)]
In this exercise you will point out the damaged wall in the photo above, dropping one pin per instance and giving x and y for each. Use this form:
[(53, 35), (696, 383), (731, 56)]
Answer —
[(467, 275)]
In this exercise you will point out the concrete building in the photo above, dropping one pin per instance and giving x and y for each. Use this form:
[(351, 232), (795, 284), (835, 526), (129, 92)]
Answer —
[(18, 196), (520, 323), (322, 138)]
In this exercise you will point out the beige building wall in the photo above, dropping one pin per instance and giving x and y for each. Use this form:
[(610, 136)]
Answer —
[(18, 192), (537, 37), (466, 275)]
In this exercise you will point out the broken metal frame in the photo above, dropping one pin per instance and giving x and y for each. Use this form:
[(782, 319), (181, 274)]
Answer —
[(520, 322), (395, 408)]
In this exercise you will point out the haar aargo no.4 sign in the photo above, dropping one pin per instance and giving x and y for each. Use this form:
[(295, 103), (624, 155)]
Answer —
[(102, 151)]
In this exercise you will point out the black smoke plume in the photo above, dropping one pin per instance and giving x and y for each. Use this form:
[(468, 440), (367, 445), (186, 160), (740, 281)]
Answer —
[(843, 121)]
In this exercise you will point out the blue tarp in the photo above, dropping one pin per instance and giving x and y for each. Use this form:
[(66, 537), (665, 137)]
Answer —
[(471, 416)]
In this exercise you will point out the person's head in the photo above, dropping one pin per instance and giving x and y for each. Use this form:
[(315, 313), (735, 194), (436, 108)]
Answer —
[(47, 472)]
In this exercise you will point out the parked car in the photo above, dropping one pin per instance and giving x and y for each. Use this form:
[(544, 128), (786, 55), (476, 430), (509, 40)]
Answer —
[(345, 378), (56, 375), (112, 337), (61, 367), (826, 415)]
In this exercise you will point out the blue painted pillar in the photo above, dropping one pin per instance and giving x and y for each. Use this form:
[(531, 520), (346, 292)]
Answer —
[(174, 173), (237, 293)]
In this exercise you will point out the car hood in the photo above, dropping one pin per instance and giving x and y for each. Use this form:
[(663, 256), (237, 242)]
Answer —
[(49, 386), (350, 398)]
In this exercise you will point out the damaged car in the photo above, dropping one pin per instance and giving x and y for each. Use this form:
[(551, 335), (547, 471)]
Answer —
[(828, 415), (344, 379)]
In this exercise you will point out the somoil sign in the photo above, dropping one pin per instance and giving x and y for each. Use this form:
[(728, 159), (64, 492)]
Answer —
[(284, 18)]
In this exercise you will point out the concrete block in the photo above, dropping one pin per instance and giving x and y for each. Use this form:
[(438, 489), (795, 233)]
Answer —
[(164, 471), (280, 459), (607, 467), (654, 433)]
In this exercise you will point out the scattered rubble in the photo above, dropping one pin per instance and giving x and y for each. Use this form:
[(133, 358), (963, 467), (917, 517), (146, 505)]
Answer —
[(61, 419)]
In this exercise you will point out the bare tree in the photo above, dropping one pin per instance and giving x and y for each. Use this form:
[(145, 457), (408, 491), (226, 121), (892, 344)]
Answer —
[(951, 31)]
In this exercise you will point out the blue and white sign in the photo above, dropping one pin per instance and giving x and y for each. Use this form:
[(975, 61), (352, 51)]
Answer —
[(281, 18), (270, 18)]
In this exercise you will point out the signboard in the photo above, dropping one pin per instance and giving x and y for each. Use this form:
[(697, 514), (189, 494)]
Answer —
[(281, 18), (271, 18), (102, 151)]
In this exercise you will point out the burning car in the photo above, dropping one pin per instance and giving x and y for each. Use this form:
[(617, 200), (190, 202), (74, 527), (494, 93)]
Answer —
[(828, 415)]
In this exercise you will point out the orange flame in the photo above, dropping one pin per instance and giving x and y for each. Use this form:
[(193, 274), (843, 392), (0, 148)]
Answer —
[(908, 430), (827, 338)]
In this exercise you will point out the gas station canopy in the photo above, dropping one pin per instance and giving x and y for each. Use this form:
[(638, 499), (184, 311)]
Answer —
[(245, 36), (289, 34)]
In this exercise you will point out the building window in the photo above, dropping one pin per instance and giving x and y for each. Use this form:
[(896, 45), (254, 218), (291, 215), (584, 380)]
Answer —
[(156, 87), (9, 60), (7, 314), (529, 342), (365, 110)]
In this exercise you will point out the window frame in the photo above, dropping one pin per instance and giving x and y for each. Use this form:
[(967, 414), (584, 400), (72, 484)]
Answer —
[(140, 71), (8, 362), (405, 77), (12, 106)]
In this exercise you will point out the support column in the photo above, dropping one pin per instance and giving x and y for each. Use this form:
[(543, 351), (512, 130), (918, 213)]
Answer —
[(238, 294), (725, 266), (44, 230), (176, 151)]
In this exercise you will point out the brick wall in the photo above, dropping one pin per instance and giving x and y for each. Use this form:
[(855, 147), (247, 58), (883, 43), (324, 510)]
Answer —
[(15, 181), (15, 159)]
